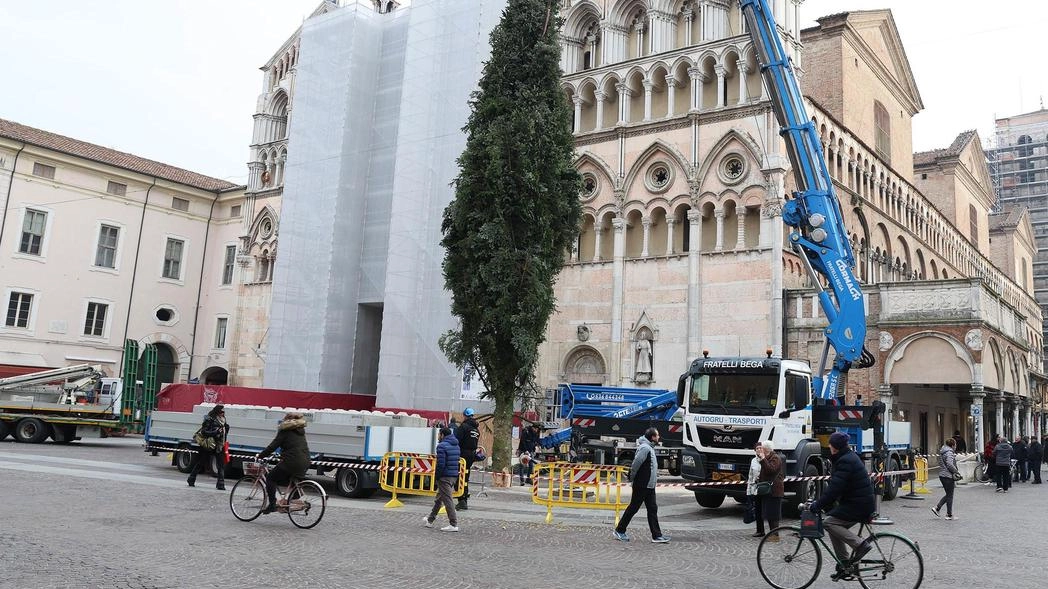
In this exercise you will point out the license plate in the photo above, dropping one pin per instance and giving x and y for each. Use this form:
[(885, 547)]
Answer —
[(721, 466)]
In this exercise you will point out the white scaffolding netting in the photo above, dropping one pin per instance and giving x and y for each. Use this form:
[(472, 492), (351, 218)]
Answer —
[(358, 293)]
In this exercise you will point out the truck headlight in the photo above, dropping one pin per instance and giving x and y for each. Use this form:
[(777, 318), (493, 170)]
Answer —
[(688, 461)]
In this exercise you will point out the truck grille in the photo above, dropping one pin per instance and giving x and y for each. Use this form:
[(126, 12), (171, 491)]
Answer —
[(736, 439)]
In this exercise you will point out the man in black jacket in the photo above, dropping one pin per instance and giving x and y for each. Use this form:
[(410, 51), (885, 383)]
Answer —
[(1034, 455), (468, 436), (851, 487), (1019, 454)]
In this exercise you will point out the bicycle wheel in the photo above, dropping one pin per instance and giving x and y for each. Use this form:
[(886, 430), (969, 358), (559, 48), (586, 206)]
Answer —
[(306, 503), (980, 473), (894, 562), (792, 562), (247, 498)]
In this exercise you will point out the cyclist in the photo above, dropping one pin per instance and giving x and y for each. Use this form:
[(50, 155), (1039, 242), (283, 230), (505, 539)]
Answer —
[(850, 486), (294, 455)]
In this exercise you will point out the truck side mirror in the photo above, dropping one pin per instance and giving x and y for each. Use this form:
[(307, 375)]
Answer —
[(683, 380)]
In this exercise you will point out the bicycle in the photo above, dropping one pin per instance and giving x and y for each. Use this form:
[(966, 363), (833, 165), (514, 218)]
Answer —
[(303, 500), (893, 561)]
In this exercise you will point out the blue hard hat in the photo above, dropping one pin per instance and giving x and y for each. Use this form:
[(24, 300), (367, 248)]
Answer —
[(468, 412)]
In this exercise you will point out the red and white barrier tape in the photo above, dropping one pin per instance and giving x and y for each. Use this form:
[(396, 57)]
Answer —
[(314, 463), (791, 479)]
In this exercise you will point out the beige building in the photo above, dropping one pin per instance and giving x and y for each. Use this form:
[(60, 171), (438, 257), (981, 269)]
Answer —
[(97, 246), (682, 245)]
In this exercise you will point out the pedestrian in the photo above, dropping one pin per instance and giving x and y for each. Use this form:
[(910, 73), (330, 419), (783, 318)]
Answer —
[(468, 435), (771, 472), (962, 447), (1002, 460), (753, 499), (1034, 455), (991, 470), (644, 474), (210, 440), (948, 476), (1019, 454), (529, 440), (447, 474)]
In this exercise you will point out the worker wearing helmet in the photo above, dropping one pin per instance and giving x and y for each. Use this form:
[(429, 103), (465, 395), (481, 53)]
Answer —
[(468, 436)]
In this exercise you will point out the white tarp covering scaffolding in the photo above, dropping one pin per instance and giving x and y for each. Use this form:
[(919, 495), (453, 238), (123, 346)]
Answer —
[(358, 293)]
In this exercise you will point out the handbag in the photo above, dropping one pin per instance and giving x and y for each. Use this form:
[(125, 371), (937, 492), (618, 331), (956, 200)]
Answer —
[(750, 515), (205, 442), (763, 487), (958, 476), (811, 524)]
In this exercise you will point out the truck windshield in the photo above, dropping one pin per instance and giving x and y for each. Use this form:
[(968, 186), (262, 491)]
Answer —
[(734, 394)]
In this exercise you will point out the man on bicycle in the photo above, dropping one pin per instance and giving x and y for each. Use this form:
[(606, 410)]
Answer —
[(850, 486), (294, 456)]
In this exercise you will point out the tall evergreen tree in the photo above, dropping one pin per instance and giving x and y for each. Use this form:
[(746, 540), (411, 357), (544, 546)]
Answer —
[(516, 211)]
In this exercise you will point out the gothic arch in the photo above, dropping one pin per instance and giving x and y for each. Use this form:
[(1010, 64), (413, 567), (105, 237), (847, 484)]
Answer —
[(734, 134), (579, 16), (588, 157), (639, 164)]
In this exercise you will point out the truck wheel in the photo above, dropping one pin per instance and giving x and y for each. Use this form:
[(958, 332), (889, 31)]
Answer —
[(709, 500), (31, 431), (351, 482), (183, 460), (5, 430), (807, 491), (891, 483), (212, 467), (674, 470)]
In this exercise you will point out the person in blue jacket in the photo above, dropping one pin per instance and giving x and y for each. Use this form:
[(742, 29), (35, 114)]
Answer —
[(447, 474)]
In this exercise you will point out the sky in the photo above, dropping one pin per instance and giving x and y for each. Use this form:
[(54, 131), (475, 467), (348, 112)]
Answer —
[(178, 81)]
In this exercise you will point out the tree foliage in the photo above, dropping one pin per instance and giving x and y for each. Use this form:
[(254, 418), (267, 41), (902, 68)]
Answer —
[(515, 213)]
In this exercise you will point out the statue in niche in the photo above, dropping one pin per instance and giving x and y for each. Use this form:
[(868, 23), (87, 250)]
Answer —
[(643, 356)]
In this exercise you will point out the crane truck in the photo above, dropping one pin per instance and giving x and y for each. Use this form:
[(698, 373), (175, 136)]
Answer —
[(732, 403), (64, 404)]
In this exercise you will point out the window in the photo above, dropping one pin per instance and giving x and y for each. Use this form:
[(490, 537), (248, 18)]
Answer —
[(105, 255), (179, 204), (18, 307), (32, 232), (44, 171), (220, 333), (116, 188), (973, 220), (173, 259), (227, 266), (234, 211), (884, 131), (95, 322)]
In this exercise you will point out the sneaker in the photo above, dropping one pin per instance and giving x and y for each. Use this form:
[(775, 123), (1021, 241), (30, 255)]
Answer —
[(935, 510), (950, 518), (427, 523), (449, 528), (660, 540), (1006, 490), (999, 490), (758, 534), (621, 536)]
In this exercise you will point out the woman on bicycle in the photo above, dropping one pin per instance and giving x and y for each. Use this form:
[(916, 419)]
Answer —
[(294, 456)]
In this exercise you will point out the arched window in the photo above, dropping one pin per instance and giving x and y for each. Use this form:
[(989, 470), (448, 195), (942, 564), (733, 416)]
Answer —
[(883, 124)]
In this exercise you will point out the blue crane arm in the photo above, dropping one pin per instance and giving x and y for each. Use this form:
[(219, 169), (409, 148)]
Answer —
[(814, 213), (616, 402)]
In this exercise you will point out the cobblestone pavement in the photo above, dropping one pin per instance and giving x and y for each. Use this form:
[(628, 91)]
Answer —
[(105, 514)]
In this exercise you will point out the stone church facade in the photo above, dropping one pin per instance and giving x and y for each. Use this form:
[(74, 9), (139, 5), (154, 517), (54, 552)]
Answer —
[(682, 241)]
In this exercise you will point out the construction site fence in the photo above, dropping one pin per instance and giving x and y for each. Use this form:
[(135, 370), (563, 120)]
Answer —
[(408, 473), (575, 485)]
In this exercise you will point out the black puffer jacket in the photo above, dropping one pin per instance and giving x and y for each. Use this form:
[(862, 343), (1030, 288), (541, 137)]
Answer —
[(215, 427), (468, 436), (1036, 452), (850, 485), (294, 451)]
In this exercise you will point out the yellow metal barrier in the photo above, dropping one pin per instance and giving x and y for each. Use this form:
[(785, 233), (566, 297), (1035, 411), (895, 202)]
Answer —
[(591, 486), (413, 474), (920, 465)]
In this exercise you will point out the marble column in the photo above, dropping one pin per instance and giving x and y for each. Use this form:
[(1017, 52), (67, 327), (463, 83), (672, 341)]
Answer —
[(998, 400), (597, 232), (670, 246), (694, 289), (744, 92), (719, 214), (624, 102), (721, 73), (740, 236), (646, 223), (697, 80), (600, 97), (979, 441), (648, 86), (577, 127), (671, 96)]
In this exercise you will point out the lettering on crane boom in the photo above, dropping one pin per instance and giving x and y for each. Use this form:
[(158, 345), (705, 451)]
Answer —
[(846, 277), (605, 397)]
